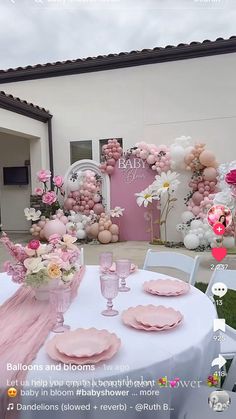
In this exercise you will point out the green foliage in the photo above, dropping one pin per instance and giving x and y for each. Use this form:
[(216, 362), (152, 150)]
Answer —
[(37, 279)]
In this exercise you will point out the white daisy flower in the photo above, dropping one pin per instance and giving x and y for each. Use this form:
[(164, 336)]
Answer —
[(166, 182), (146, 197), (31, 214)]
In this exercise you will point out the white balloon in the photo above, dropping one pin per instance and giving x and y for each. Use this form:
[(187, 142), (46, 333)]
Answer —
[(196, 224), (79, 226), (81, 234), (73, 184), (191, 241), (177, 153), (187, 216)]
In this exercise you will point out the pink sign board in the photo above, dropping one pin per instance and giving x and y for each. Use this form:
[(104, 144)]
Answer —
[(131, 176)]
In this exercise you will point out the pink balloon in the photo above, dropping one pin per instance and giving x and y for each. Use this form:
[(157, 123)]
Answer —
[(111, 162), (76, 208), (206, 193), (195, 210), (86, 212), (86, 207), (98, 209), (90, 203), (151, 159), (68, 204), (110, 170), (70, 195), (201, 190), (86, 193), (54, 227), (76, 194), (116, 155), (197, 198), (81, 208), (83, 202)]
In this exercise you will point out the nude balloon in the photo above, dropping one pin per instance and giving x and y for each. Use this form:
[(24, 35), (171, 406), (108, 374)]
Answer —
[(210, 173), (93, 230), (104, 236), (114, 229), (114, 238)]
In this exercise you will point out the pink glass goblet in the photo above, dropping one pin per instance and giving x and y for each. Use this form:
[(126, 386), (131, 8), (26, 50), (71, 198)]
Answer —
[(109, 289), (123, 267), (60, 299), (105, 261)]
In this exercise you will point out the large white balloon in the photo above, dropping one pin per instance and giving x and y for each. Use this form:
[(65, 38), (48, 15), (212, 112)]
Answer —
[(187, 216), (191, 241), (196, 224)]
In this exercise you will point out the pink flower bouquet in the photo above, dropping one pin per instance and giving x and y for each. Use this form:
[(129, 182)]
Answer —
[(37, 264)]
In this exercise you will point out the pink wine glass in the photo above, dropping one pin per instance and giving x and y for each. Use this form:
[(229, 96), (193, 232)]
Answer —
[(60, 299), (105, 261), (109, 289), (123, 267)]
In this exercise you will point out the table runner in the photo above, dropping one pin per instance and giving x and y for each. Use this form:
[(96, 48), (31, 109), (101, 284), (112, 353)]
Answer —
[(24, 324)]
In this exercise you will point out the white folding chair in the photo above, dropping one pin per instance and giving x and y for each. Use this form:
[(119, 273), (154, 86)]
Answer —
[(227, 277), (175, 260)]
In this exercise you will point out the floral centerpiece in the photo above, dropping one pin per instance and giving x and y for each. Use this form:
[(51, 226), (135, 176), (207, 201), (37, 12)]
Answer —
[(41, 265)]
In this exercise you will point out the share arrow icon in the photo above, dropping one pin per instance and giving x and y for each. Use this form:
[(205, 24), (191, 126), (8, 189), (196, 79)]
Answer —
[(220, 361)]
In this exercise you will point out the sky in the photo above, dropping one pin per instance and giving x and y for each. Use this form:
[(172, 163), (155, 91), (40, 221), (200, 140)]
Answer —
[(41, 31)]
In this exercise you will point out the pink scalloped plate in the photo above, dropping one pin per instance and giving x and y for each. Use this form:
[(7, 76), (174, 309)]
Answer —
[(54, 354), (166, 287), (152, 318), (133, 268), (83, 342)]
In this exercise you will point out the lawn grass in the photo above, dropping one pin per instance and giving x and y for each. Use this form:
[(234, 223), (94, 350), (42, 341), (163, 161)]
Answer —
[(228, 309)]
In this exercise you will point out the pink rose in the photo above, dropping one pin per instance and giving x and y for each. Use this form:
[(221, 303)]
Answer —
[(54, 239), (49, 198), (44, 175), (34, 244), (58, 181), (230, 178), (38, 191)]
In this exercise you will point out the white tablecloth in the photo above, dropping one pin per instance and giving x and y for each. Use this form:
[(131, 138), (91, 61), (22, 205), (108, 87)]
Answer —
[(185, 352)]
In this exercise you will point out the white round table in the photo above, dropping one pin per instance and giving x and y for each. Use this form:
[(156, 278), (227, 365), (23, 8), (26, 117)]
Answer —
[(185, 352)]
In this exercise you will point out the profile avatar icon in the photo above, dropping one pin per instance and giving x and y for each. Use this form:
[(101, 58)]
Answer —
[(219, 400), (219, 214), (222, 220)]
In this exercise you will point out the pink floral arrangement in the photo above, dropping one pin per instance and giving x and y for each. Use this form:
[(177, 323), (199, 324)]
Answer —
[(49, 197), (37, 264)]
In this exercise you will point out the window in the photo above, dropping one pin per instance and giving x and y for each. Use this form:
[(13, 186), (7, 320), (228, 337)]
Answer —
[(80, 150), (104, 141)]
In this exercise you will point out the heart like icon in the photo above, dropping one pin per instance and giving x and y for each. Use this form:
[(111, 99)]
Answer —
[(219, 253)]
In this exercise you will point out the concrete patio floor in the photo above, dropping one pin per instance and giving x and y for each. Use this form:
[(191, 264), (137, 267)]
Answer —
[(135, 250)]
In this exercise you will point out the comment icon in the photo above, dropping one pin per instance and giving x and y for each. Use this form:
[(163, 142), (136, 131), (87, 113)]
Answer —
[(219, 289)]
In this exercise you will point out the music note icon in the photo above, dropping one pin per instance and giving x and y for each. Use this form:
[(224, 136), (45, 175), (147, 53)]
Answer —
[(10, 406)]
